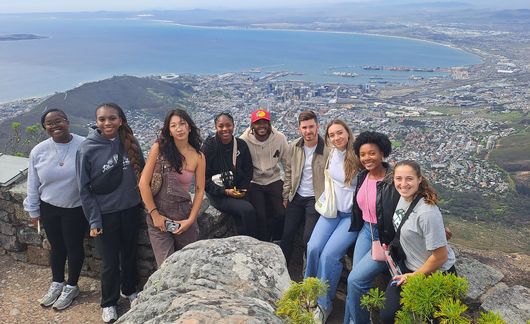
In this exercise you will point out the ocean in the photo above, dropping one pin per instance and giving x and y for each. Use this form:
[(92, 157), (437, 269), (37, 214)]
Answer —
[(81, 50)]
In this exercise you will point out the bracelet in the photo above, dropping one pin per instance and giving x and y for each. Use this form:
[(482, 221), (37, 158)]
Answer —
[(152, 210)]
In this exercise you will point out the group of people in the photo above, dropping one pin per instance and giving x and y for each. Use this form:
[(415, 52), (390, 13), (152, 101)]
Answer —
[(100, 184)]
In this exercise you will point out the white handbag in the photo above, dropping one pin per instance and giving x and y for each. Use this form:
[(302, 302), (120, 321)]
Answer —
[(325, 205)]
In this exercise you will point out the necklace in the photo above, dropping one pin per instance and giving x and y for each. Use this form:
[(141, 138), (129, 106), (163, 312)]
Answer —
[(61, 161)]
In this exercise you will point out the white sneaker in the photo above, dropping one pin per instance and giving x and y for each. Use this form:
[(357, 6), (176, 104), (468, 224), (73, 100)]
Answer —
[(53, 293), (320, 315), (67, 297), (109, 314), (132, 297)]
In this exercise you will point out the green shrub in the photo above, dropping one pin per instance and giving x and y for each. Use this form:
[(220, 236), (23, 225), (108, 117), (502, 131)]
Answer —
[(299, 300), (451, 311), (373, 301), (423, 296), (490, 318)]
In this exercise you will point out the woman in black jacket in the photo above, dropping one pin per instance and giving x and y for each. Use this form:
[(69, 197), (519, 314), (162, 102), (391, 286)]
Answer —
[(371, 148), (228, 174)]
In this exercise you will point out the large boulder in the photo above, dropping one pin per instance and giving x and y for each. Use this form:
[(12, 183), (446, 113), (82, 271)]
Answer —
[(511, 303), (480, 277), (231, 280)]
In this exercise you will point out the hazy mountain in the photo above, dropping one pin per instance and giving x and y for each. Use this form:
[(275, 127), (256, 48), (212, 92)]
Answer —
[(131, 93)]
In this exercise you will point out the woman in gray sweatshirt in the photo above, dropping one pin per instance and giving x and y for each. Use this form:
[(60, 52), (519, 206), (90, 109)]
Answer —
[(53, 200), (108, 166)]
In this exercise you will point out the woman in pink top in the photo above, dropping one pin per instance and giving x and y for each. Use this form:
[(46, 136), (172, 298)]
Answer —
[(371, 148), (172, 216)]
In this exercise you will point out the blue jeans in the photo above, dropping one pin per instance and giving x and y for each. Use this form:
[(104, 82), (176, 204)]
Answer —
[(363, 272), (325, 249)]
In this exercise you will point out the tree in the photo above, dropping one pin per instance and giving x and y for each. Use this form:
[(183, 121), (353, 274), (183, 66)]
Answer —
[(20, 144)]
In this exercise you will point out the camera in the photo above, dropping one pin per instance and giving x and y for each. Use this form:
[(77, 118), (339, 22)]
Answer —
[(172, 226)]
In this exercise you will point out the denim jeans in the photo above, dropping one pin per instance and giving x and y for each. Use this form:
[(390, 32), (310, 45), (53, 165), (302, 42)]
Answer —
[(328, 244), (363, 272)]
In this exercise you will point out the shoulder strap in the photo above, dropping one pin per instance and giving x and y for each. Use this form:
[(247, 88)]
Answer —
[(407, 213), (234, 152), (121, 152), (329, 158)]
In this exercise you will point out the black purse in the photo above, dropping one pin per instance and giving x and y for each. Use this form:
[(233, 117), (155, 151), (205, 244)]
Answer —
[(396, 251), (106, 182)]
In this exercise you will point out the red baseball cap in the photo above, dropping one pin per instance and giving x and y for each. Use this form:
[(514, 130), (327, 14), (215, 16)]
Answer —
[(260, 114)]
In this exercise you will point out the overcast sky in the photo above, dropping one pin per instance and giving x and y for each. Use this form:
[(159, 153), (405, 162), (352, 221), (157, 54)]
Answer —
[(8, 6), (92, 5)]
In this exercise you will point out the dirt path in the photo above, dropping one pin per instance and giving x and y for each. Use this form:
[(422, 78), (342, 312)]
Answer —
[(22, 284)]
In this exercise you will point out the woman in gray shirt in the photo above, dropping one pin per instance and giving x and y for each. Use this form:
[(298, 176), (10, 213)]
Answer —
[(422, 237), (53, 199)]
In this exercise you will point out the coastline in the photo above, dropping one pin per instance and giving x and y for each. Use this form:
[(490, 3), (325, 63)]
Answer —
[(449, 45), (149, 19)]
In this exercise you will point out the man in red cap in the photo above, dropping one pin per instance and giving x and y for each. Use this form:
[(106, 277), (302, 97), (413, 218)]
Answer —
[(268, 148)]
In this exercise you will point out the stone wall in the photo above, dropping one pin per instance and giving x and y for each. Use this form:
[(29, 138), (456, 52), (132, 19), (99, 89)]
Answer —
[(21, 240)]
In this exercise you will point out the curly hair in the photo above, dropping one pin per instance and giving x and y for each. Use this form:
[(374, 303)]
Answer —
[(134, 153), (44, 114), (425, 189), (168, 149), (351, 162), (369, 137)]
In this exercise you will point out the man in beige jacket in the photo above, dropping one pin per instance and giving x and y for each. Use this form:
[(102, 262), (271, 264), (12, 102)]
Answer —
[(304, 180), (269, 149)]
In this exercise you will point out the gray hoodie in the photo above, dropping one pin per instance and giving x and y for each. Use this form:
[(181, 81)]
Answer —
[(94, 155), (267, 155)]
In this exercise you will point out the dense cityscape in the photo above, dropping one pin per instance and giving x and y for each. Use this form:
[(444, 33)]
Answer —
[(449, 122)]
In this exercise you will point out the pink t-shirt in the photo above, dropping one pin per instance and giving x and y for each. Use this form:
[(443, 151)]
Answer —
[(366, 198)]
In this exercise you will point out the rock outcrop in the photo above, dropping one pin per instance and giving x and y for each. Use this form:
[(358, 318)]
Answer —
[(480, 277), (232, 280), (214, 224), (511, 303)]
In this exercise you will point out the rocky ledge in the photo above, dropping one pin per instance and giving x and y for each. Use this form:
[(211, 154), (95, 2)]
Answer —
[(231, 280)]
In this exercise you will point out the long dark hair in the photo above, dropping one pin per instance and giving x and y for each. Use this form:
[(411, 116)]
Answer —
[(168, 148), (351, 162), (425, 188), (134, 153)]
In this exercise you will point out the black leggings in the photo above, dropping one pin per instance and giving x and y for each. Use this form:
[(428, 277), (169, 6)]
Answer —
[(66, 229), (393, 297)]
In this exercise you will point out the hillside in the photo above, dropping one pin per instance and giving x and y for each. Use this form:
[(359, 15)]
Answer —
[(131, 93), (513, 155)]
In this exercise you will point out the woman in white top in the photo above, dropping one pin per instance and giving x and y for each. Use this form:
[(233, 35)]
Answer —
[(330, 238), (422, 235), (53, 199)]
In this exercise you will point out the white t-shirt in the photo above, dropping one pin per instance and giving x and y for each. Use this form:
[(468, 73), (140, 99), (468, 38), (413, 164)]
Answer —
[(422, 232), (305, 189), (343, 193)]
